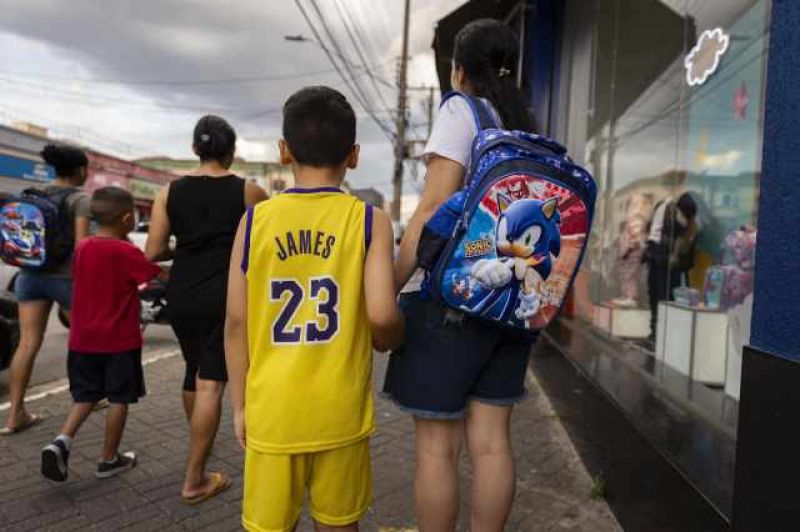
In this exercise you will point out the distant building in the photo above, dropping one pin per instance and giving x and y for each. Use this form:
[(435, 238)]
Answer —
[(22, 167), (271, 176), (370, 196)]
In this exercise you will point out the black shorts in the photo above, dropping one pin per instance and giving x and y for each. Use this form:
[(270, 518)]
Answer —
[(117, 377), (203, 346), (448, 359)]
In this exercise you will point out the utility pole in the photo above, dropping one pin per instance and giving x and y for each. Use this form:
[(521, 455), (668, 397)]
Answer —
[(400, 139)]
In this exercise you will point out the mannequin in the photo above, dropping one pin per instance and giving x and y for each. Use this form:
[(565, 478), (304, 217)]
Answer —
[(631, 249)]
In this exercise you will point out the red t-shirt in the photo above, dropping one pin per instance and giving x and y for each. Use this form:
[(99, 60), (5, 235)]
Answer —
[(105, 296)]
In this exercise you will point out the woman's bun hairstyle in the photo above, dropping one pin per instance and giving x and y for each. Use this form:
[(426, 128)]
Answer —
[(214, 139), (65, 159)]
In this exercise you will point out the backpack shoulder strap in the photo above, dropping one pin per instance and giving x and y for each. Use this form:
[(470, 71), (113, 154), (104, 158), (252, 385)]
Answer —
[(60, 197), (484, 118)]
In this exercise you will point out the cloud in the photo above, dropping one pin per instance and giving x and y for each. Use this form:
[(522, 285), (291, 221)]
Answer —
[(720, 161), (136, 43)]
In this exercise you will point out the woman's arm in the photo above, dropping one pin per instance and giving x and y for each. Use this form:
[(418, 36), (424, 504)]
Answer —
[(157, 246), (253, 194), (82, 215), (444, 177), (236, 354), (81, 228)]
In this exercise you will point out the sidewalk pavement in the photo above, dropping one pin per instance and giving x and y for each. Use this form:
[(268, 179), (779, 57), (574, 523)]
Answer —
[(554, 491)]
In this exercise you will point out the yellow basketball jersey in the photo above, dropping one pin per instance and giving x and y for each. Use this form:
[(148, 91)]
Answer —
[(310, 345)]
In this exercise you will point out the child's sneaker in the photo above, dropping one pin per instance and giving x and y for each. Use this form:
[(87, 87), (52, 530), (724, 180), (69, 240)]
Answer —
[(55, 458), (122, 463)]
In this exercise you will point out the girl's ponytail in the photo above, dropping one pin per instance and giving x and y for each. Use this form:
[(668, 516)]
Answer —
[(488, 51)]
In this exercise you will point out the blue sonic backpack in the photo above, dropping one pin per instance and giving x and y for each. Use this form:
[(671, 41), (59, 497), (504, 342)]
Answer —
[(507, 247), (35, 229)]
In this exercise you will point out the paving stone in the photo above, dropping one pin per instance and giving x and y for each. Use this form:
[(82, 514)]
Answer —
[(553, 488)]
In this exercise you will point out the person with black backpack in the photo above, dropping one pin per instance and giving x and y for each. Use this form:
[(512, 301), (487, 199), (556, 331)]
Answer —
[(458, 376), (38, 232)]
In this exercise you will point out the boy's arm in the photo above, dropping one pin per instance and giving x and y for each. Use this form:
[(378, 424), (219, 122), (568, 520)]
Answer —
[(236, 355), (138, 267), (385, 318)]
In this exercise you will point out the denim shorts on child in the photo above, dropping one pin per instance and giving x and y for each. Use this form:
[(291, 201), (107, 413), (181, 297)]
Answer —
[(449, 359), (117, 377), (32, 286)]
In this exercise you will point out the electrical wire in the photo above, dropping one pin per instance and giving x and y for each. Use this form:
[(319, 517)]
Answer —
[(95, 99), (359, 90), (347, 22), (219, 81), (388, 132)]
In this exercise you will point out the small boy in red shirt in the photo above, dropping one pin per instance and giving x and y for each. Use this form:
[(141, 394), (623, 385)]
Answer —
[(105, 339)]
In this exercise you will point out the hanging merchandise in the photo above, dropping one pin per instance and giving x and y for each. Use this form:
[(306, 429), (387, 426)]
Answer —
[(728, 284)]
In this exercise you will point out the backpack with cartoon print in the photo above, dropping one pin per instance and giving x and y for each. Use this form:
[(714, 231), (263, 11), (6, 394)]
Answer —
[(36, 232), (507, 247)]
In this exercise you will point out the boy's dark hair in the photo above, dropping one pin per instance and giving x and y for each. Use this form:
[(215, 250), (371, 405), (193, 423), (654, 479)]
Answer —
[(109, 204), (319, 126), (65, 159), (214, 139)]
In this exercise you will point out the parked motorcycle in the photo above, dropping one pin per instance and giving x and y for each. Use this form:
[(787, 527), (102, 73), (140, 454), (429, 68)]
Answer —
[(153, 296)]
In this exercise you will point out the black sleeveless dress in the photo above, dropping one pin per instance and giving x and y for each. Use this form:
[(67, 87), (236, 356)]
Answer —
[(204, 213)]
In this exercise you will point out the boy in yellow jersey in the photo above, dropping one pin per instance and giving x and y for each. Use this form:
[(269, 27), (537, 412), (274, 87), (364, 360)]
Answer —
[(310, 292)]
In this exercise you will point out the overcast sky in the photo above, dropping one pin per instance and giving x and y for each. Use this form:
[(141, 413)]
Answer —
[(132, 77)]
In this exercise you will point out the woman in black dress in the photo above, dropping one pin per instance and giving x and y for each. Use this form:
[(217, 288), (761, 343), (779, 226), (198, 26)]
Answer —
[(202, 210)]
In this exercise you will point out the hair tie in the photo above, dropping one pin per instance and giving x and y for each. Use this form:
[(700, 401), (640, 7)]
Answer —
[(503, 72), (205, 137)]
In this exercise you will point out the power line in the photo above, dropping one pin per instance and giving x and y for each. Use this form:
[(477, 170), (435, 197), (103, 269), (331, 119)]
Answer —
[(81, 133), (360, 93), (328, 53), (94, 99), (347, 21), (219, 81), (362, 38)]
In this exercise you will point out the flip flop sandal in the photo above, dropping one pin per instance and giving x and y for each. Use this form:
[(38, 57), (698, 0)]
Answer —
[(219, 483), (32, 421)]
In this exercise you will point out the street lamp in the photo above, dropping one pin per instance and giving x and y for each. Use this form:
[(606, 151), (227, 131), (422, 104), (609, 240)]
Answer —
[(302, 38)]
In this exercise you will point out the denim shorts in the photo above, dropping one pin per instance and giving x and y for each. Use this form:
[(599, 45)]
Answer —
[(43, 287), (449, 359)]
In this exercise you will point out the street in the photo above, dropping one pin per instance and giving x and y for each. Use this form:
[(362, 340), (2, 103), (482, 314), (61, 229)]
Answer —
[(554, 490), (51, 362)]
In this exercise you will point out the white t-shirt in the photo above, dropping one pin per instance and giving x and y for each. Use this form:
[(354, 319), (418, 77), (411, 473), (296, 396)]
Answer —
[(453, 131), (657, 225), (452, 134)]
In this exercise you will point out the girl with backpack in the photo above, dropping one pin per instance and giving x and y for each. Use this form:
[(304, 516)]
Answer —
[(202, 210), (457, 376), (36, 291)]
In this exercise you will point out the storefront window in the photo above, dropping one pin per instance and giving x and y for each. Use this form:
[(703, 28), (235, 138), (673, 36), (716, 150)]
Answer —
[(671, 128)]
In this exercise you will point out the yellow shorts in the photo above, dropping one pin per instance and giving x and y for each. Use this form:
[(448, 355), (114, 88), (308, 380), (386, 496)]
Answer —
[(339, 482)]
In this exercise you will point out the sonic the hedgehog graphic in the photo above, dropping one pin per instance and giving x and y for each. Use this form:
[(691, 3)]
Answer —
[(528, 237)]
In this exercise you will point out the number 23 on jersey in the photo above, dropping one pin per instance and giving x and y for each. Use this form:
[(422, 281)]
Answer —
[(323, 292)]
